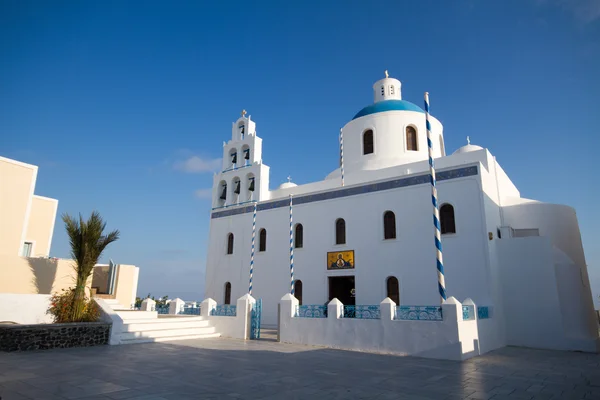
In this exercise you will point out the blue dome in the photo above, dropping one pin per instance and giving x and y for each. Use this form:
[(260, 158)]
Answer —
[(388, 105)]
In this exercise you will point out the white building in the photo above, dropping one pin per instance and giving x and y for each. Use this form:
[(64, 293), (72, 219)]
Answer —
[(521, 257)]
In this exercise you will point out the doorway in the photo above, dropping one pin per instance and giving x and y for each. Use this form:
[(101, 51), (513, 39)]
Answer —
[(342, 288)]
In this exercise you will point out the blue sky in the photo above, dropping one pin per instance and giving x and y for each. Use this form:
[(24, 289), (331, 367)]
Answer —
[(124, 105)]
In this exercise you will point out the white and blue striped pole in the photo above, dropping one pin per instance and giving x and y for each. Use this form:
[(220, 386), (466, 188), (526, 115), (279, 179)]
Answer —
[(252, 250), (342, 155), (436, 211), (291, 249)]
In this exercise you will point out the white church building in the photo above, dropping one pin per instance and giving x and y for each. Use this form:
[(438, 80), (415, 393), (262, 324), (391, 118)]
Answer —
[(372, 236)]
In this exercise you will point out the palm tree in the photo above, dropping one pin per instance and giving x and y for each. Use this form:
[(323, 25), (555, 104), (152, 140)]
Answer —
[(88, 241)]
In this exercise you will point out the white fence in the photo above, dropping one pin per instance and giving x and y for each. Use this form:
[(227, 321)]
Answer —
[(445, 337)]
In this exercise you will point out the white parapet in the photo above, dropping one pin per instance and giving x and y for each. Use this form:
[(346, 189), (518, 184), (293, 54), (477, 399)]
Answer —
[(440, 333), (229, 324)]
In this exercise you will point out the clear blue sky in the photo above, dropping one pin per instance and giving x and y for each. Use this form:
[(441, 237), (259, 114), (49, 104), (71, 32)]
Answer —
[(111, 98)]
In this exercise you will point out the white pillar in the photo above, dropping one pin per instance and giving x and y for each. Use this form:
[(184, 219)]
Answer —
[(207, 306), (387, 308), (335, 309), (176, 306), (243, 314), (148, 305), (287, 309)]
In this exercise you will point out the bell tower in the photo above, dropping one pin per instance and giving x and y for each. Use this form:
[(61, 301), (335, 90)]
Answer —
[(243, 177)]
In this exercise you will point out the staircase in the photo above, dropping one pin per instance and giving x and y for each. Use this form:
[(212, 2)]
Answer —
[(148, 326)]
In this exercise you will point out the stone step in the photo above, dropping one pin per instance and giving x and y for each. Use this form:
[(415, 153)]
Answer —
[(164, 333), (172, 338), (135, 314), (166, 318), (162, 324)]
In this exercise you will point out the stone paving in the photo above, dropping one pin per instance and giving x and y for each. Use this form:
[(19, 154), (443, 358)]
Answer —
[(232, 369)]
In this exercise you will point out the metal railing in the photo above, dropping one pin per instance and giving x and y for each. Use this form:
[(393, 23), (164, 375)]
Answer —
[(161, 308), (311, 311), (418, 313), (362, 312), (224, 310)]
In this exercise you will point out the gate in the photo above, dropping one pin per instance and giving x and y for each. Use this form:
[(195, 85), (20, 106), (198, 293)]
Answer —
[(255, 319)]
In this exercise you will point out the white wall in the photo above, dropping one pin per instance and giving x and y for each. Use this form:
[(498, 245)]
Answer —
[(452, 338), (532, 306), (410, 257), (25, 308), (238, 326)]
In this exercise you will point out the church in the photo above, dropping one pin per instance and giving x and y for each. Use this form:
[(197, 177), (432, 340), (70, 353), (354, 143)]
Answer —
[(365, 232)]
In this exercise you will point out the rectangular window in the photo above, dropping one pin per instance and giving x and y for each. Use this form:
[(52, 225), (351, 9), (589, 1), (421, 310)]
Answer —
[(27, 246)]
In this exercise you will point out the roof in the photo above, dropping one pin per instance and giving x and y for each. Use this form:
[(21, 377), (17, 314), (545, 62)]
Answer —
[(388, 105)]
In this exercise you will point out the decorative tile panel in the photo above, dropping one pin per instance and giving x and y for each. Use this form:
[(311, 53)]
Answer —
[(311, 311), (468, 313), (483, 312), (418, 313), (362, 312), (224, 310)]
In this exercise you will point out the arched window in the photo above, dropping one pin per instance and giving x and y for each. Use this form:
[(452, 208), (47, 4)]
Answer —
[(223, 195), (227, 299), (298, 291), (299, 236), (230, 243), (368, 142), (389, 225), (393, 292), (340, 231), (262, 240), (447, 219), (411, 138)]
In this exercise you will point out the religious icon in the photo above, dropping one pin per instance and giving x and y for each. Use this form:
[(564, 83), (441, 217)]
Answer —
[(340, 259)]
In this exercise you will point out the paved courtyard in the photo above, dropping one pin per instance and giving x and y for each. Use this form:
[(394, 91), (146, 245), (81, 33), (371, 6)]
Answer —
[(232, 369)]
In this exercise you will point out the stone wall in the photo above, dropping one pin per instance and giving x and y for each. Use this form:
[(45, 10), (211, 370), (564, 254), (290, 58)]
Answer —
[(50, 336)]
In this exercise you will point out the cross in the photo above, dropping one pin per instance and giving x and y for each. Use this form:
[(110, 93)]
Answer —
[(243, 113), (386, 74), (468, 140), (289, 178)]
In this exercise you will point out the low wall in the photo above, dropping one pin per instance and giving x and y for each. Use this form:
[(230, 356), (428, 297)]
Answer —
[(25, 308), (51, 336), (451, 338), (28, 275), (237, 326)]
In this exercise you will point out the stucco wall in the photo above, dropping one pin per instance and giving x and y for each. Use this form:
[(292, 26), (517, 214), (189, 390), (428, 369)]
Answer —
[(127, 282), (40, 227), (17, 183), (35, 275)]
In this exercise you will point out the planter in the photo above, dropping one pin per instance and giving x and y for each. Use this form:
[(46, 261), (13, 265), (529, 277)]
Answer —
[(51, 336)]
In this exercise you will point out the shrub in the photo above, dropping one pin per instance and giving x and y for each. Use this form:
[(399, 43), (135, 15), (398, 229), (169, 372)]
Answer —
[(61, 307)]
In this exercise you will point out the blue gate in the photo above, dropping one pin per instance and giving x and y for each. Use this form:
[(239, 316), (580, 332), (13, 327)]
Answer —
[(255, 319)]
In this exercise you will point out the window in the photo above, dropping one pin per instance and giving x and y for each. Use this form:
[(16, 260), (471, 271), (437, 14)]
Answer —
[(389, 225), (234, 158), (298, 291), (340, 231), (224, 192), (411, 138), (230, 243), (227, 293), (393, 292), (368, 142), (236, 187), (251, 184), (447, 219), (262, 240), (27, 246), (299, 236)]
